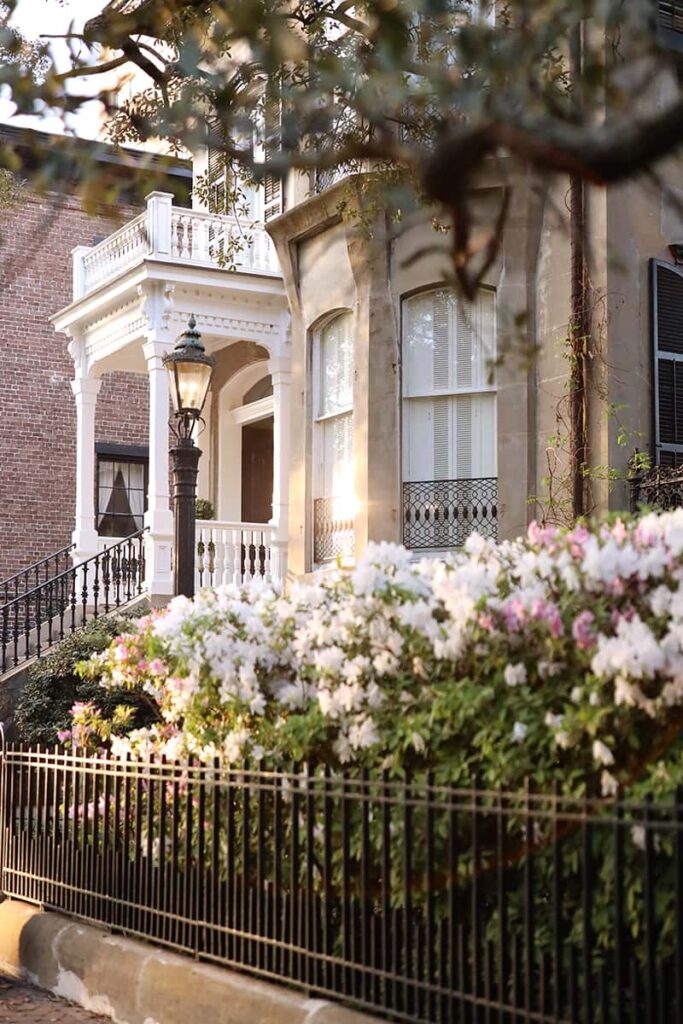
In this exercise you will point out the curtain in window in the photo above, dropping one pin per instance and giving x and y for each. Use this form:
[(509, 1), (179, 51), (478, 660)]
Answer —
[(121, 498), (106, 488)]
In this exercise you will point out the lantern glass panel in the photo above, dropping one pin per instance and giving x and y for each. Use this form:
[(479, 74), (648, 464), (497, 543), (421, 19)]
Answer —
[(190, 381)]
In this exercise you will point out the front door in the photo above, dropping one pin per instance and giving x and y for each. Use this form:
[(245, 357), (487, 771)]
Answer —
[(257, 471)]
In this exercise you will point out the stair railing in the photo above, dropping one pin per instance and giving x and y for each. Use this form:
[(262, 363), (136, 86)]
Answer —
[(34, 621), (40, 572)]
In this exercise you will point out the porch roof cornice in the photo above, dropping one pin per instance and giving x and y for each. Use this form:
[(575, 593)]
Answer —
[(239, 284)]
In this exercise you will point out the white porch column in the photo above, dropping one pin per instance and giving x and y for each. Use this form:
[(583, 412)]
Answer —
[(86, 390), (282, 376), (158, 517)]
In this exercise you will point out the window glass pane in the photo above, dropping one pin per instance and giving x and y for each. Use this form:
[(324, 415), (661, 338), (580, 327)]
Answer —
[(337, 443), (336, 366), (121, 497)]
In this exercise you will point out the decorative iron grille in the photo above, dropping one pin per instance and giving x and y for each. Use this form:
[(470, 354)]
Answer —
[(333, 536), (443, 513), (660, 487)]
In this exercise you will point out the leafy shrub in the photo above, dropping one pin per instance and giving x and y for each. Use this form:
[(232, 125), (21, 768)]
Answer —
[(203, 509), (557, 657), (53, 687)]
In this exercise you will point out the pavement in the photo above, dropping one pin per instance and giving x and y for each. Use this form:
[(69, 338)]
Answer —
[(23, 1004)]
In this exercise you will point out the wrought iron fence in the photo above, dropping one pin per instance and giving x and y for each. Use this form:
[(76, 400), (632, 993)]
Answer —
[(42, 616), (333, 534), (426, 903), (660, 487), (443, 513), (41, 571)]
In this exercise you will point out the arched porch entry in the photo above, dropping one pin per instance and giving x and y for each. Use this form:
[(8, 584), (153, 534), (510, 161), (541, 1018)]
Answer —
[(246, 468)]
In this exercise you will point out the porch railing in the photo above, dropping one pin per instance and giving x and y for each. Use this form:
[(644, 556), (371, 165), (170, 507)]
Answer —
[(166, 232), (31, 577), (39, 618), (230, 552), (443, 513), (427, 903)]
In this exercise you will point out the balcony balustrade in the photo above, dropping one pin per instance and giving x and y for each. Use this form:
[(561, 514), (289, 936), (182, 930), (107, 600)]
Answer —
[(179, 235)]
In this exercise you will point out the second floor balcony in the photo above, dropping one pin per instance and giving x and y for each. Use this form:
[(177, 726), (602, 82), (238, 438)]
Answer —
[(168, 233)]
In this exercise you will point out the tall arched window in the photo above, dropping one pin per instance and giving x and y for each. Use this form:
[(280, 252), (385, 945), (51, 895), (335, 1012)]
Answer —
[(333, 472), (449, 418)]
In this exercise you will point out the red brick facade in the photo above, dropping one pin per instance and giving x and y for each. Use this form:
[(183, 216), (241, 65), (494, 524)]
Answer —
[(38, 426)]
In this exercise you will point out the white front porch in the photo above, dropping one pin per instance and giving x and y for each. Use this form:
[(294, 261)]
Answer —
[(133, 296)]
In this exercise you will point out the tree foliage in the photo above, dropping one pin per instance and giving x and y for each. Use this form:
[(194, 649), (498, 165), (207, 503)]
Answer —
[(423, 94)]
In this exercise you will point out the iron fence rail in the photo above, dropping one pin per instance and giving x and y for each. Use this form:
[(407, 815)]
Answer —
[(426, 903), (39, 618)]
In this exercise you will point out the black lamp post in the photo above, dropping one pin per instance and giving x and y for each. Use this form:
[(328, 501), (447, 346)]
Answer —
[(190, 370)]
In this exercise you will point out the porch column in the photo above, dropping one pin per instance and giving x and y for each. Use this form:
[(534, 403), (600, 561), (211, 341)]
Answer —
[(282, 376), (158, 517), (86, 390)]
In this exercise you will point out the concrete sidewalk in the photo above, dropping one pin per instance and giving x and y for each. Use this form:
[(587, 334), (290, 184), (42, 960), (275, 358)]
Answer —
[(23, 1004)]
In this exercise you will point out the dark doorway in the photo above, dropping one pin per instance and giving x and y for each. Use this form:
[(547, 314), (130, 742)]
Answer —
[(257, 471)]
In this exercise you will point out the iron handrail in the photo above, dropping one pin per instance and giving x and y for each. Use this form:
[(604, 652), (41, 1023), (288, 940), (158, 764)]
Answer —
[(35, 567), (68, 601), (74, 568)]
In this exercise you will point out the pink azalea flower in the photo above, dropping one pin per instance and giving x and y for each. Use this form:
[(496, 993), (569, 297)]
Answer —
[(582, 630)]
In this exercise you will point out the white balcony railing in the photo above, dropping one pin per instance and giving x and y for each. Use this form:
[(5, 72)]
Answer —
[(168, 232), (233, 552)]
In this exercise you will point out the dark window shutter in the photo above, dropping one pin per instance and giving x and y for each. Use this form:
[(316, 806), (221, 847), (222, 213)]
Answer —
[(217, 172), (667, 334), (272, 183), (670, 24)]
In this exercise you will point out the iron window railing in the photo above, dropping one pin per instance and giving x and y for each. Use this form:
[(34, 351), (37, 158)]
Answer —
[(333, 534), (427, 903), (443, 513), (36, 620), (660, 488)]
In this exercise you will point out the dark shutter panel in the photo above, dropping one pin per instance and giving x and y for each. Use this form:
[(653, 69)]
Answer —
[(670, 24), (667, 332), (217, 173), (272, 184)]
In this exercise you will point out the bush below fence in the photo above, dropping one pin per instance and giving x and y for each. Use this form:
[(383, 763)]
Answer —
[(424, 902)]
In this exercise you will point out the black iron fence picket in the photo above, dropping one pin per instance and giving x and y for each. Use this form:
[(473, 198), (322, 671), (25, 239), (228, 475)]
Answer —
[(36, 619), (422, 902)]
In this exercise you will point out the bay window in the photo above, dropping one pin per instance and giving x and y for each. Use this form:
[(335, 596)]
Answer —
[(449, 418)]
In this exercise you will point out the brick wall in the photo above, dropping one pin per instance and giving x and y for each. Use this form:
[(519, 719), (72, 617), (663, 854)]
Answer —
[(37, 412)]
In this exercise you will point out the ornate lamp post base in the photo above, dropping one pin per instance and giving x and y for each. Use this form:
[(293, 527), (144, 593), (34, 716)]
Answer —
[(184, 462)]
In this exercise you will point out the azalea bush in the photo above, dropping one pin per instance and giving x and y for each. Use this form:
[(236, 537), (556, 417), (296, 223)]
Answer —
[(53, 691), (557, 658)]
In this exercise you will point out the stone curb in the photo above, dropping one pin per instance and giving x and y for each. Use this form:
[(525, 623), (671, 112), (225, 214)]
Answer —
[(135, 983)]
